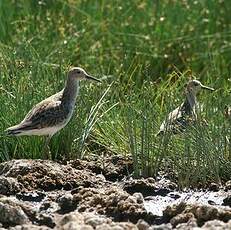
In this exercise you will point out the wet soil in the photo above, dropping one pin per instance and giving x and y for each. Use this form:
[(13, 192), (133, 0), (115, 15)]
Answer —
[(91, 194)]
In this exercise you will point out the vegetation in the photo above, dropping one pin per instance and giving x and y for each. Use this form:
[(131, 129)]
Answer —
[(144, 51)]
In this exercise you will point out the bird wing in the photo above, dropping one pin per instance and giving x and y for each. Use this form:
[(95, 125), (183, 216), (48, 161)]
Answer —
[(178, 120), (49, 104), (42, 113), (48, 112), (172, 120)]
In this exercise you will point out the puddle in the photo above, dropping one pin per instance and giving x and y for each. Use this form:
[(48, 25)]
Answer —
[(157, 204)]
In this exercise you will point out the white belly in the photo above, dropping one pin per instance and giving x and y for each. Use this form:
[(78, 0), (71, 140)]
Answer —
[(49, 131)]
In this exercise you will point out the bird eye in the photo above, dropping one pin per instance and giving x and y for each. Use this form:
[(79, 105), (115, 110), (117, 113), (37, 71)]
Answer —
[(196, 83), (78, 72)]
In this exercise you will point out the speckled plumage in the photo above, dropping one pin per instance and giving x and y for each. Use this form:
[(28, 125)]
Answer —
[(53, 113), (184, 115)]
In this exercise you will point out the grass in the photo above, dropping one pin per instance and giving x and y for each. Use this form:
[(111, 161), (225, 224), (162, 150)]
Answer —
[(145, 51)]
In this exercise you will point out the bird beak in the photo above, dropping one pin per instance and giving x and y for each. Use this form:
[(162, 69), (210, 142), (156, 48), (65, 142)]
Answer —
[(208, 88), (89, 77)]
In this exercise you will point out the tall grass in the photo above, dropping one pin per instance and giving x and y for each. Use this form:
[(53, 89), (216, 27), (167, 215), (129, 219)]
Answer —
[(149, 50), (201, 154)]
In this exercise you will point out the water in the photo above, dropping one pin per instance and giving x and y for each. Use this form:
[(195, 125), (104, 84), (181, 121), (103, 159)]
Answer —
[(157, 204)]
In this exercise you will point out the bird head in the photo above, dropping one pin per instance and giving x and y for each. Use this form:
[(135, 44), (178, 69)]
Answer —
[(194, 86), (80, 74)]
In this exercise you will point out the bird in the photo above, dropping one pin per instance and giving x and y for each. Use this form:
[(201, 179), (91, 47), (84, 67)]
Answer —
[(184, 115), (227, 112), (52, 114)]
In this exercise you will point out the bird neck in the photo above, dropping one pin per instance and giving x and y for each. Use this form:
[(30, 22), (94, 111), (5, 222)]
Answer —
[(190, 102), (70, 92)]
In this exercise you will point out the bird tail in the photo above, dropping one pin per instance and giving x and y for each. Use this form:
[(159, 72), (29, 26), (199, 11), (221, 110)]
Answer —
[(13, 131)]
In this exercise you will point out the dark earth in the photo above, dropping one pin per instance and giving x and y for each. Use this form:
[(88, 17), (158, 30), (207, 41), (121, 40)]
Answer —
[(89, 194)]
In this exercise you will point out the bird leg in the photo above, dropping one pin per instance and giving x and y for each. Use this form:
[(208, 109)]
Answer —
[(46, 149)]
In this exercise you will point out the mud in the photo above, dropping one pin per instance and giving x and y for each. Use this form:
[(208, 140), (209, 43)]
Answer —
[(39, 194), (112, 167)]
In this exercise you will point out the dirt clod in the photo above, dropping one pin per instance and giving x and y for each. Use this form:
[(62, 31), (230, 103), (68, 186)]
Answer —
[(113, 167), (214, 187), (180, 213), (216, 224), (227, 201), (145, 186), (12, 215), (111, 201), (47, 195), (228, 185), (9, 185), (66, 203), (181, 218), (47, 175)]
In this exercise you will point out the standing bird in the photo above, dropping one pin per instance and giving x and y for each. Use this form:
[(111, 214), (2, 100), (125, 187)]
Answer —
[(52, 114), (227, 112), (182, 116)]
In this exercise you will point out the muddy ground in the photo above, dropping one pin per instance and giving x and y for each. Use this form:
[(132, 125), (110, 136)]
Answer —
[(86, 195)]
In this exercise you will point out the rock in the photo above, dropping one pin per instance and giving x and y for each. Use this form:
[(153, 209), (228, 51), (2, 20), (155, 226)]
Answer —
[(227, 201), (49, 205), (228, 185), (74, 226), (215, 225), (108, 227), (9, 185), (117, 167), (161, 227), (117, 226), (76, 217), (173, 210), (202, 213), (191, 224), (14, 204), (66, 203), (90, 221), (181, 218), (139, 197), (165, 183), (145, 186), (11, 215), (46, 219), (29, 227), (95, 220), (224, 214), (214, 187), (48, 175), (111, 201), (142, 225)]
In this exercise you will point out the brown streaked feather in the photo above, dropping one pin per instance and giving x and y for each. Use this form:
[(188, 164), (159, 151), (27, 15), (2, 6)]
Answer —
[(49, 112), (178, 120), (49, 102)]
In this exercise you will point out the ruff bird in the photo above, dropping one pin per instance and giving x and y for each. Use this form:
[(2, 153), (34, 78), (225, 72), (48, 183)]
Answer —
[(184, 115), (52, 114), (227, 112)]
